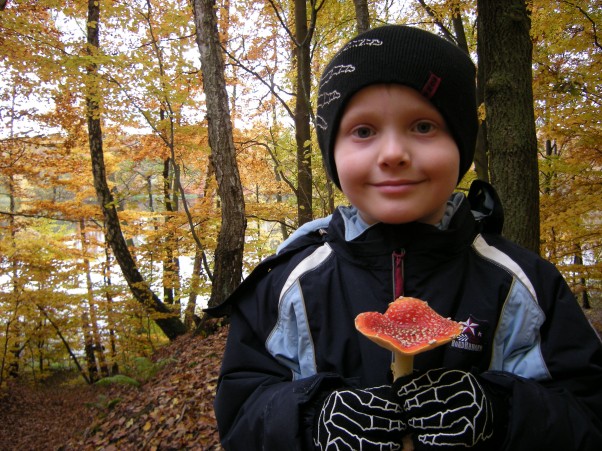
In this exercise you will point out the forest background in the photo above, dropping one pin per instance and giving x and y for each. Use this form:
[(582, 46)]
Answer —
[(152, 152)]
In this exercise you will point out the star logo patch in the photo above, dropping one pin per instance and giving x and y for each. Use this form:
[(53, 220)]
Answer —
[(471, 338), (470, 326)]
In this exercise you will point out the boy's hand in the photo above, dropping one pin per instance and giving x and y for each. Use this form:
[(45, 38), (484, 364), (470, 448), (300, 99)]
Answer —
[(360, 419), (446, 407)]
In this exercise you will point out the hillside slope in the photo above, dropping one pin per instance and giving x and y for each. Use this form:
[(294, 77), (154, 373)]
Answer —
[(173, 410)]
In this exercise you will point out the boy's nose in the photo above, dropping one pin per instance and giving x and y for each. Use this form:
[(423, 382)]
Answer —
[(394, 151)]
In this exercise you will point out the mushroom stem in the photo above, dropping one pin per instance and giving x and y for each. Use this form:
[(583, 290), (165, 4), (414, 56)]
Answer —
[(402, 365)]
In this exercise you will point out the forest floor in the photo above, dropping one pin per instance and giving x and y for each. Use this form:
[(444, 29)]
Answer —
[(171, 411)]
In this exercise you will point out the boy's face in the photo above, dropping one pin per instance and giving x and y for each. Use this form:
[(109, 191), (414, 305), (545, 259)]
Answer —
[(395, 158)]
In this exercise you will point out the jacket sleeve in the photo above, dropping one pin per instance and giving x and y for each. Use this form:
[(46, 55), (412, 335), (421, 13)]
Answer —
[(563, 408), (258, 405)]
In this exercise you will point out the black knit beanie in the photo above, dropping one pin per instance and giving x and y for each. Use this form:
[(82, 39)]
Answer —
[(438, 69)]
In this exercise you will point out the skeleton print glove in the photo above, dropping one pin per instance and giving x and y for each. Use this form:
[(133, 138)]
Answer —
[(356, 419), (446, 408)]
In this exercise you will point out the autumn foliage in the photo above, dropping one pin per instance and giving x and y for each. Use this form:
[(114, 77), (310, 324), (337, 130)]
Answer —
[(64, 302)]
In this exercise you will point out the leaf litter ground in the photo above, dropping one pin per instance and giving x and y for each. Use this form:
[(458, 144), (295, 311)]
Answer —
[(172, 411)]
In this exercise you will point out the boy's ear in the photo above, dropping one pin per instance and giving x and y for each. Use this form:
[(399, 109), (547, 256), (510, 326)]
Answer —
[(486, 203)]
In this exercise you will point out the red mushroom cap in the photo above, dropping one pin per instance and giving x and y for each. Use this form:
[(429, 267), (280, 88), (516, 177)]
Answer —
[(409, 326)]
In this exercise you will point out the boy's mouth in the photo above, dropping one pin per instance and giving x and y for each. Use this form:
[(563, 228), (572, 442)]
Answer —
[(395, 186), (394, 183)]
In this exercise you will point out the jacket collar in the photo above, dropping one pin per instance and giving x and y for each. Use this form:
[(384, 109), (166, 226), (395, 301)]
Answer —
[(378, 240)]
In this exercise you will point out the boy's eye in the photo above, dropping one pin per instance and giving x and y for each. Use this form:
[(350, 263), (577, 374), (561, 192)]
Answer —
[(424, 127), (363, 132)]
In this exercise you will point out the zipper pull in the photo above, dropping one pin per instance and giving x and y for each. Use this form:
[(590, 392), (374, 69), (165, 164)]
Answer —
[(398, 257)]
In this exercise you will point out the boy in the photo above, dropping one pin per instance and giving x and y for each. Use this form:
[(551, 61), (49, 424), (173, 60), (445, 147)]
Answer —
[(397, 125)]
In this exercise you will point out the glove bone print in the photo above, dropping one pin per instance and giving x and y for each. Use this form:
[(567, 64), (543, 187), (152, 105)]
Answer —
[(447, 408), (360, 420)]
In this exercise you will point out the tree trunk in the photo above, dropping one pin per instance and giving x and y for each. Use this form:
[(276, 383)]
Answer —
[(106, 274), (480, 159), (65, 343), (582, 284), (11, 365), (168, 322), (481, 156), (13, 325), (459, 32), (89, 348), (227, 271), (362, 15), (98, 347), (195, 283), (506, 57), (302, 108), (170, 263)]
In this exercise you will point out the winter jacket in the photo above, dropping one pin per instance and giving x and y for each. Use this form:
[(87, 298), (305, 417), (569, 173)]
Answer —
[(292, 337)]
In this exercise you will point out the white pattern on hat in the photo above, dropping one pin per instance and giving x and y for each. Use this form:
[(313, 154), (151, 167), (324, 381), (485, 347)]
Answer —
[(362, 43), (321, 123), (337, 70), (326, 97)]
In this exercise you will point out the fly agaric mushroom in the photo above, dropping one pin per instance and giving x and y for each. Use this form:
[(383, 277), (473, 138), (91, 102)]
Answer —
[(408, 327)]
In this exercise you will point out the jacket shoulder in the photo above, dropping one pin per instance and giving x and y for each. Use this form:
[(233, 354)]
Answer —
[(294, 249)]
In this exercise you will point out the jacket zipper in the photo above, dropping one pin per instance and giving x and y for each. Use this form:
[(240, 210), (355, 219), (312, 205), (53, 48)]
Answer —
[(398, 281)]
